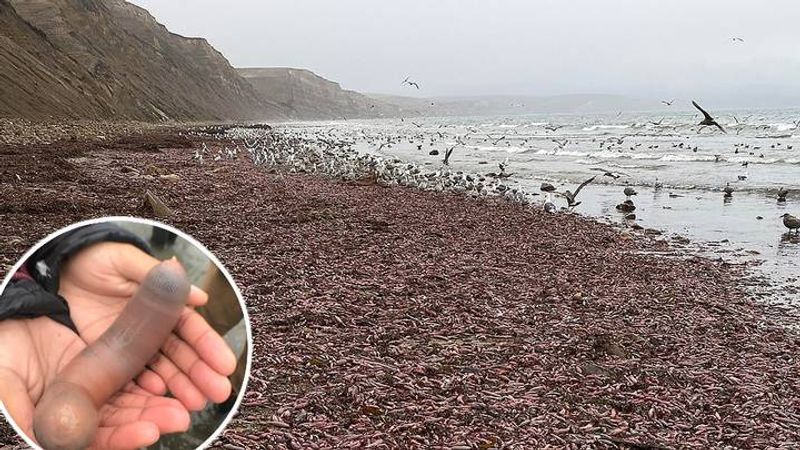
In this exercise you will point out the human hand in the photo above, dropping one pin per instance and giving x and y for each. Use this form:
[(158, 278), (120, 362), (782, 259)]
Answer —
[(194, 362), (33, 351)]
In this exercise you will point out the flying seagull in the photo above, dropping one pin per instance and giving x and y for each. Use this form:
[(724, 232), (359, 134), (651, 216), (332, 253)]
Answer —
[(410, 83), (707, 120), (571, 197), (668, 103), (610, 174), (447, 154), (735, 39)]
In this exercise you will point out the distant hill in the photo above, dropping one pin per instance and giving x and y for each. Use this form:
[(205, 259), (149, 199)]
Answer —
[(305, 95), (109, 59), (517, 105)]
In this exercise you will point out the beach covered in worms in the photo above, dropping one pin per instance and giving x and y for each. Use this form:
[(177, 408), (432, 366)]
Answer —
[(389, 317)]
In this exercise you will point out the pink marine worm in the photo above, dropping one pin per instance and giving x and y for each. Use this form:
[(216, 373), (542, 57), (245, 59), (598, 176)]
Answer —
[(66, 417)]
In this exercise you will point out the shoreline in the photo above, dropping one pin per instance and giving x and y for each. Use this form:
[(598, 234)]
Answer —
[(402, 318)]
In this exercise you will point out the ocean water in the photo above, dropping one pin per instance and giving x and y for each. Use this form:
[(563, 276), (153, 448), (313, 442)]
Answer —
[(678, 168)]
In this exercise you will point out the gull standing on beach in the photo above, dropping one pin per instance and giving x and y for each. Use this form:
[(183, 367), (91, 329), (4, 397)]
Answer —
[(782, 193), (791, 222)]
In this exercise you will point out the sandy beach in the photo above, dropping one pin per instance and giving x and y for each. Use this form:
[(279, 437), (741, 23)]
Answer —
[(386, 317)]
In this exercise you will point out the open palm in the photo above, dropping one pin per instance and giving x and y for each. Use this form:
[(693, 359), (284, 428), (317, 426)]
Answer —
[(194, 362), (33, 351)]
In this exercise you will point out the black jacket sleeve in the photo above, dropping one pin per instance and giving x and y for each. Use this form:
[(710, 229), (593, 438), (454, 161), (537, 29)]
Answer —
[(39, 297)]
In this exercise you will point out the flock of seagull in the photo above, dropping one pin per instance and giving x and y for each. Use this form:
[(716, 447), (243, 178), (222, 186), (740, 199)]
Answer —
[(627, 206), (315, 153)]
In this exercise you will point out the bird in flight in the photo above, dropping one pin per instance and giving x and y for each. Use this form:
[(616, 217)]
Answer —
[(497, 141), (707, 120), (553, 127), (447, 154), (668, 103), (571, 196), (737, 39), (410, 83), (610, 174)]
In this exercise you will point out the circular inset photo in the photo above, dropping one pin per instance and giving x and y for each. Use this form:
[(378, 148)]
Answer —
[(121, 333)]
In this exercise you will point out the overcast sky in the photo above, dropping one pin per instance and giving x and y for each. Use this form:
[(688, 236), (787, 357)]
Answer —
[(465, 47)]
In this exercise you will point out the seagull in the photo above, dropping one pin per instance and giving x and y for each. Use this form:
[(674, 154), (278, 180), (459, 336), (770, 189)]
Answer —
[(782, 193), (503, 166), (707, 120), (498, 140), (549, 206), (571, 197), (629, 191), (608, 173), (658, 123), (410, 83), (553, 127), (447, 154), (728, 190), (668, 103), (735, 39), (626, 206), (791, 222), (561, 144)]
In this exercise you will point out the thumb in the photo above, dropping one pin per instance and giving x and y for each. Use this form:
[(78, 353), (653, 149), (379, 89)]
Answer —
[(15, 401), (133, 264)]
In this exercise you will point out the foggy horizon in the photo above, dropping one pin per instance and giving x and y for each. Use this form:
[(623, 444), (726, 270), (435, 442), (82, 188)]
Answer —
[(647, 50)]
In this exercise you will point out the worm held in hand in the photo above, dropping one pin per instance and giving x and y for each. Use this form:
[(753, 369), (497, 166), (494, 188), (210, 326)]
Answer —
[(66, 417)]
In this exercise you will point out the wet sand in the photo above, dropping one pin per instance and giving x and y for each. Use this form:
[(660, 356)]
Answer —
[(386, 317)]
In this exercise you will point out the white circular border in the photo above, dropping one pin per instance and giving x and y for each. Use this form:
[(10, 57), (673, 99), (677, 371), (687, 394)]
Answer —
[(192, 241)]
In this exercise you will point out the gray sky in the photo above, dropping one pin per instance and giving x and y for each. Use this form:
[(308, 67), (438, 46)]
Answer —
[(464, 47)]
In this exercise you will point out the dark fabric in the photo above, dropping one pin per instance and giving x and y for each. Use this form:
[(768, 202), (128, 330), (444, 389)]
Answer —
[(45, 264), (33, 291), (26, 299)]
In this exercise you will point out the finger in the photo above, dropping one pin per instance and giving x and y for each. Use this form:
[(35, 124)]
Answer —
[(151, 382), (208, 344), (169, 417), (130, 436), (134, 264), (179, 384), (197, 297), (215, 386), (16, 401)]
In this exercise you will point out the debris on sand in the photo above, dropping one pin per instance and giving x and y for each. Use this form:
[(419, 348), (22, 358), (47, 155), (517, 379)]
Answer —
[(390, 317)]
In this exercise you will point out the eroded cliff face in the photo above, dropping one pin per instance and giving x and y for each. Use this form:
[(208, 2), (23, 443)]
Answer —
[(111, 59), (308, 96)]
